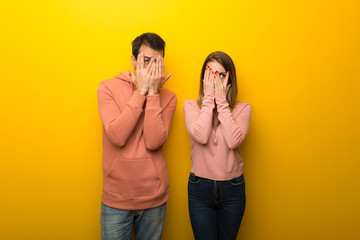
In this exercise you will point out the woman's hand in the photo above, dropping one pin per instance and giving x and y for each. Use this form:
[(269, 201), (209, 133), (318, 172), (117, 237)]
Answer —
[(208, 80), (221, 85)]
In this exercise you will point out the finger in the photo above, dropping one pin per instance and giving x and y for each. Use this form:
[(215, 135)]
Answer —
[(206, 78), (158, 68), (166, 78), (162, 69), (162, 73), (206, 74), (138, 62), (214, 78), (132, 76), (217, 83), (151, 63), (210, 76), (152, 74), (142, 63), (153, 69)]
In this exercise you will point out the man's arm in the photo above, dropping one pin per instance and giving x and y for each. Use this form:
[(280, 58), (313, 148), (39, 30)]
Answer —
[(157, 121), (118, 125)]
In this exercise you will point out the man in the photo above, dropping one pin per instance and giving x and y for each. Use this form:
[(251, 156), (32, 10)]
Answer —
[(136, 113)]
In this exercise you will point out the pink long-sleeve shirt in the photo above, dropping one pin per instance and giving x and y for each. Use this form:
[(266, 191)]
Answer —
[(215, 153), (134, 129)]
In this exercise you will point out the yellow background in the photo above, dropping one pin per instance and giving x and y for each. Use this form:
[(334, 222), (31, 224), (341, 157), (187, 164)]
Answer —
[(298, 64)]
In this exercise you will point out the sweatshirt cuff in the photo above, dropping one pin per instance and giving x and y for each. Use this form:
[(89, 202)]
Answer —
[(221, 101), (152, 101), (137, 100), (209, 92), (220, 96)]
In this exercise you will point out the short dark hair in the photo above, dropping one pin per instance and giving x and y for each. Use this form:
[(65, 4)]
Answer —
[(152, 40)]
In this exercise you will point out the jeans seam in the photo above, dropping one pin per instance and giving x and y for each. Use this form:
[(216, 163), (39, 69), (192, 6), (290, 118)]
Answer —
[(236, 184), (196, 177)]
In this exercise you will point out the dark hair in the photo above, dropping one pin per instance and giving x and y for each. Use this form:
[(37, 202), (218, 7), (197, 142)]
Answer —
[(152, 40), (225, 60)]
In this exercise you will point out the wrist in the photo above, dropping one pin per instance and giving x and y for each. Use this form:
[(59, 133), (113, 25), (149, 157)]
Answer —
[(142, 91), (220, 96), (209, 91), (154, 91)]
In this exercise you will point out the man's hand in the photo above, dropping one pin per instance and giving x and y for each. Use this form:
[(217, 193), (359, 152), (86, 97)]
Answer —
[(157, 77), (142, 76)]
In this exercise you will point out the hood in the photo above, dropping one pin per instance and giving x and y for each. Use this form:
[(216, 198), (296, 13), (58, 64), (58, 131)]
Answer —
[(124, 76)]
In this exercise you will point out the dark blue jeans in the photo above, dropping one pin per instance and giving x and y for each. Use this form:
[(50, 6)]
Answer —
[(216, 207)]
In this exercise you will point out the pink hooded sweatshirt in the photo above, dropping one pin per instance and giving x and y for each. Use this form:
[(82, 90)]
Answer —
[(215, 152), (134, 129)]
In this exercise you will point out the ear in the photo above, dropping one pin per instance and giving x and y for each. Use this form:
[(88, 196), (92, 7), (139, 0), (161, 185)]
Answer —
[(133, 61)]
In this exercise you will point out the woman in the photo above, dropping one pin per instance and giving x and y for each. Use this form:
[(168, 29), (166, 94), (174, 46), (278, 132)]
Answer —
[(217, 125)]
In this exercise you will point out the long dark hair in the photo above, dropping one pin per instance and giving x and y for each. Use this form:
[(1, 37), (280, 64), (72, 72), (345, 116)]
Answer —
[(226, 61)]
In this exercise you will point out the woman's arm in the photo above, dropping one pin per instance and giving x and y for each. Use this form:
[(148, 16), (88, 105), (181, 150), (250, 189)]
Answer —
[(234, 125), (199, 121)]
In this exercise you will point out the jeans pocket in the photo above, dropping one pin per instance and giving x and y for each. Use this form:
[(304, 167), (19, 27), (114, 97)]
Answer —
[(193, 178), (237, 181)]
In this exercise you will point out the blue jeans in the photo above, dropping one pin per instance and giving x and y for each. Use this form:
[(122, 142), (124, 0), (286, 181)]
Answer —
[(216, 207), (117, 224)]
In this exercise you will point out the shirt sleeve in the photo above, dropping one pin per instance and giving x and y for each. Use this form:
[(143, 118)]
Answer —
[(118, 123), (199, 121), (157, 121), (234, 126)]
